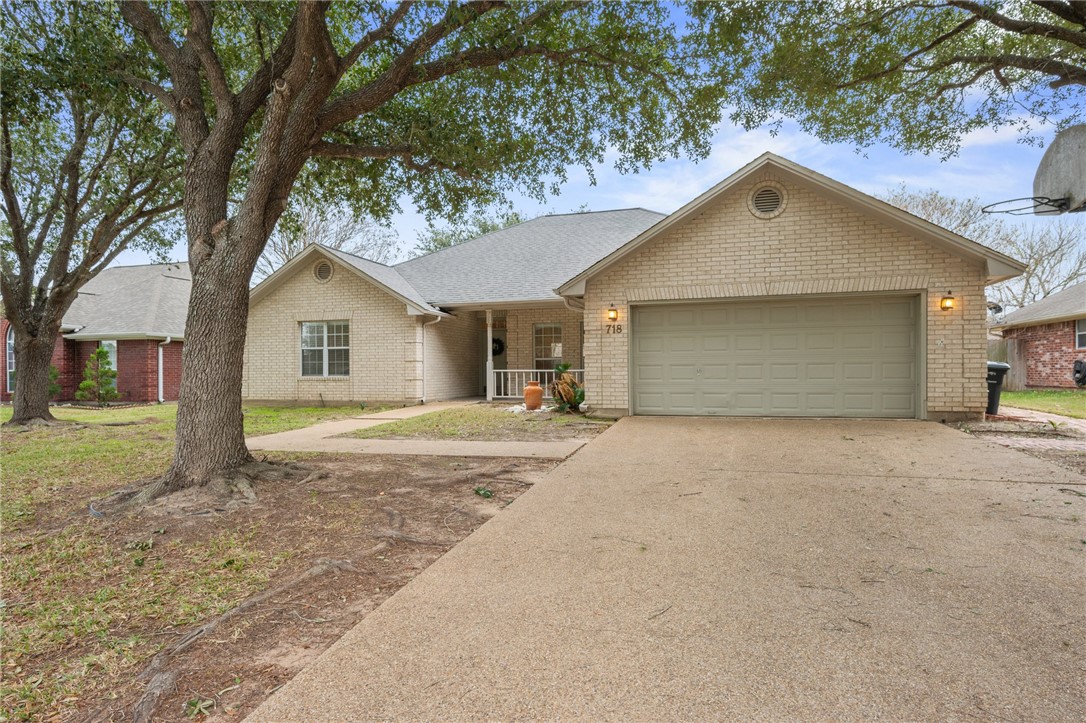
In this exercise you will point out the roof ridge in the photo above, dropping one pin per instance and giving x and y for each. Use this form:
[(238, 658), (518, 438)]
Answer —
[(521, 223)]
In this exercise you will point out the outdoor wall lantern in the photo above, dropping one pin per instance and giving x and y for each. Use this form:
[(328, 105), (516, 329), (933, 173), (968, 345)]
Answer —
[(947, 302), (612, 314)]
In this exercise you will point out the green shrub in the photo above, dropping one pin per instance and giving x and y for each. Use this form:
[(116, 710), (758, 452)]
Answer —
[(54, 381), (99, 380)]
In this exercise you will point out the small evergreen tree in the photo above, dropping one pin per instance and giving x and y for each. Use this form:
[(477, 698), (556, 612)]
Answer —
[(99, 379), (54, 381)]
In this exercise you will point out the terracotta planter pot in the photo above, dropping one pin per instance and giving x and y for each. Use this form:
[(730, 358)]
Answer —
[(533, 396)]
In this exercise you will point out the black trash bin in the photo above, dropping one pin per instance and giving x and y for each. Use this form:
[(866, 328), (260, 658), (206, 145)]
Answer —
[(997, 372)]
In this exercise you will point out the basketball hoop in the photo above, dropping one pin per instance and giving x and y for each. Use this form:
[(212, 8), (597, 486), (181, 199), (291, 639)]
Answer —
[(1060, 183), (1038, 205)]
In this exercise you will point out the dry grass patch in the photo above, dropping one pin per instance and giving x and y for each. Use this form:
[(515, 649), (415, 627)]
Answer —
[(88, 601), (481, 422)]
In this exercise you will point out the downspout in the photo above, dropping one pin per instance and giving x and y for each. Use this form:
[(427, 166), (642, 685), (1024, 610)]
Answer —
[(424, 325), (161, 397)]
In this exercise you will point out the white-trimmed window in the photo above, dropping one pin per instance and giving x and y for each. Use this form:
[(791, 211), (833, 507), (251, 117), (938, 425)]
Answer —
[(1080, 334), (10, 348), (326, 349), (111, 349), (548, 345)]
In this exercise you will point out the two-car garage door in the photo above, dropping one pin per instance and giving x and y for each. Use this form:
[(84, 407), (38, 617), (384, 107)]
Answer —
[(843, 357)]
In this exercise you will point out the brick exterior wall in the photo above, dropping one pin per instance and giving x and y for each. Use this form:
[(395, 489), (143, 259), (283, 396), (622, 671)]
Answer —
[(814, 247), (520, 334), (137, 367), (386, 343), (1050, 353), (171, 370), (454, 354)]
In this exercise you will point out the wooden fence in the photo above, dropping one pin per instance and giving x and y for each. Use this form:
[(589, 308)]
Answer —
[(1013, 352)]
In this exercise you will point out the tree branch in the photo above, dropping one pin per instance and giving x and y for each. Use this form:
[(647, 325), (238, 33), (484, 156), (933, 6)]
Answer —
[(405, 152), (1021, 27), (394, 79), (199, 34)]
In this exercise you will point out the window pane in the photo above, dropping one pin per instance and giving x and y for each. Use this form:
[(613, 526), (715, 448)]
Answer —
[(338, 335), (548, 345), (1080, 334), (339, 362), (312, 336), (11, 359), (111, 349), (312, 362)]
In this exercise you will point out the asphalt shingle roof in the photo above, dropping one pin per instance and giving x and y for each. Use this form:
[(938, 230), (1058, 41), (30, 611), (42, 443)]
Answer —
[(1069, 303), (386, 275), (131, 301), (525, 262)]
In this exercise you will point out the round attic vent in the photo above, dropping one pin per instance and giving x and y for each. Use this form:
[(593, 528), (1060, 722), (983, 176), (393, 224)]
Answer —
[(323, 270), (766, 200)]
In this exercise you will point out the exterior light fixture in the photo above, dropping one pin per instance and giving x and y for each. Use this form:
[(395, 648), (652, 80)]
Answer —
[(612, 314), (947, 302)]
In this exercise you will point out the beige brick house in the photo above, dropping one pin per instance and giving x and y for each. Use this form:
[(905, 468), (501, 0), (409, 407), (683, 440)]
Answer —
[(778, 292)]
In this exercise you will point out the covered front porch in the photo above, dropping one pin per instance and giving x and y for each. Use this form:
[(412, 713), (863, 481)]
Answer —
[(526, 343)]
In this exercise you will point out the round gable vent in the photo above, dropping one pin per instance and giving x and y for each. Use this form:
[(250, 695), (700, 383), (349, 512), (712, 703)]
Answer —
[(323, 270), (766, 200)]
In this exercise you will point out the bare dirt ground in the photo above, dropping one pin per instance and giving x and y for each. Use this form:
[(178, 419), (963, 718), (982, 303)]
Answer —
[(1055, 443), (350, 535)]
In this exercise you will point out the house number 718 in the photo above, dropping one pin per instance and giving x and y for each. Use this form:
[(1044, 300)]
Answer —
[(614, 328)]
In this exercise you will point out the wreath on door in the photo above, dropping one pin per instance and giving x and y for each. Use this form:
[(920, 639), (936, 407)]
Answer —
[(497, 348)]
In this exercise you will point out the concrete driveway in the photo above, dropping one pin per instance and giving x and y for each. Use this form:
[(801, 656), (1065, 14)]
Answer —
[(722, 569)]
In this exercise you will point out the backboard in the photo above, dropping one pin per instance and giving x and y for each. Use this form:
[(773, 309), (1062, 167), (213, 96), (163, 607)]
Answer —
[(1059, 185), (1061, 176)]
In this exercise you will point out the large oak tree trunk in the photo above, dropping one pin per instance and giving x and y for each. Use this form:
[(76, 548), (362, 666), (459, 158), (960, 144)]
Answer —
[(33, 355), (210, 437)]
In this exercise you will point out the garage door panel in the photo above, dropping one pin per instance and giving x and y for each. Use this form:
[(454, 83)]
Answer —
[(715, 341), (820, 340), (682, 317), (784, 341), (826, 357)]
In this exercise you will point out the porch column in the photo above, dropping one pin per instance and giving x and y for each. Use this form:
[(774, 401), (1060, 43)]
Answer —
[(489, 355)]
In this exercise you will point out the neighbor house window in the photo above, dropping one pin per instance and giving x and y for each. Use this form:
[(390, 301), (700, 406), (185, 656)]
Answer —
[(11, 359), (1080, 335), (548, 345), (111, 350), (326, 349)]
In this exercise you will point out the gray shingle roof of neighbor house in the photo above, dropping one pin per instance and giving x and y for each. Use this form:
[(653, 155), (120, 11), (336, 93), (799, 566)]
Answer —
[(131, 302), (1064, 305), (525, 262)]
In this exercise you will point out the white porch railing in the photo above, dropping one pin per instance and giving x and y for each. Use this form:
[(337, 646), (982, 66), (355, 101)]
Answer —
[(510, 383)]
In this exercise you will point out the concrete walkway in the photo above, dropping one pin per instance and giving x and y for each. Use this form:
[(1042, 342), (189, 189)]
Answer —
[(708, 569), (325, 437), (1069, 423)]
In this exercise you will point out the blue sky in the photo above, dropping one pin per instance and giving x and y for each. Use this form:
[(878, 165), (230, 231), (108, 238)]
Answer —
[(991, 165)]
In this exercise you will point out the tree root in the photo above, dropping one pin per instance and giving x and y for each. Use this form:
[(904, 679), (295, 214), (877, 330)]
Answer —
[(229, 485), (162, 679)]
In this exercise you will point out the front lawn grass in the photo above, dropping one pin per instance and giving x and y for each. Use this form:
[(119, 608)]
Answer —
[(106, 448), (485, 423), (1067, 402), (81, 595)]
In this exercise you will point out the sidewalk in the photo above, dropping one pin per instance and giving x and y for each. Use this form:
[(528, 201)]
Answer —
[(1070, 423), (325, 437)]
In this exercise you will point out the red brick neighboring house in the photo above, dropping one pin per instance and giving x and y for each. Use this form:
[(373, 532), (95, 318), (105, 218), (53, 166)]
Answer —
[(138, 314), (1051, 334)]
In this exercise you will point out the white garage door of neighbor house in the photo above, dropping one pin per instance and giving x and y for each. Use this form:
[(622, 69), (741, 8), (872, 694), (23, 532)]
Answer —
[(844, 357)]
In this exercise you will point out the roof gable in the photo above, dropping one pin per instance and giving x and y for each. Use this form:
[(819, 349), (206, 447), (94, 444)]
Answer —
[(384, 277), (999, 267)]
